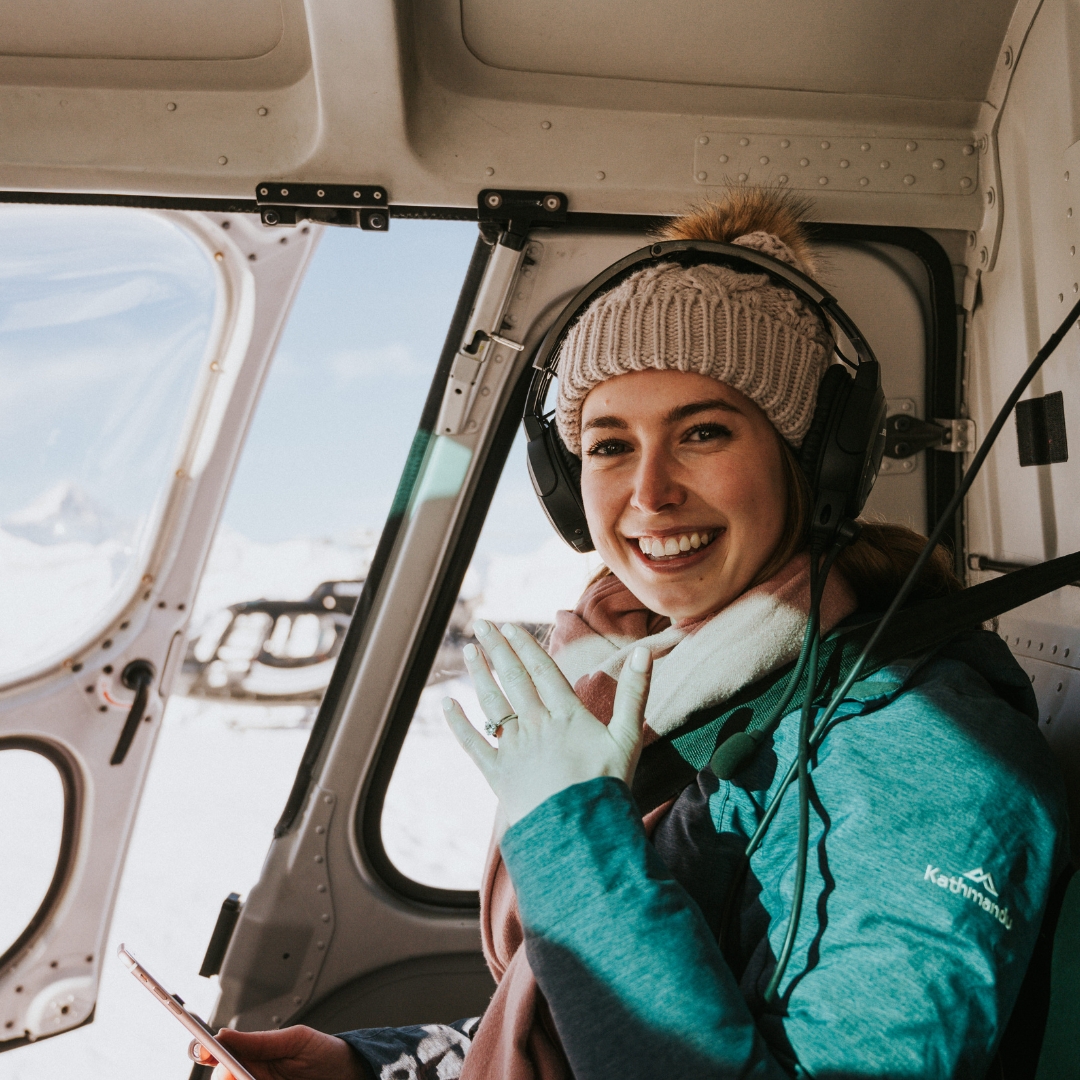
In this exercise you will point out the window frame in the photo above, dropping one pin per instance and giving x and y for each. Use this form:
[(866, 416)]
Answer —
[(71, 782)]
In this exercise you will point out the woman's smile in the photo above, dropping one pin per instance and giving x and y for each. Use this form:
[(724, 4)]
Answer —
[(676, 551)]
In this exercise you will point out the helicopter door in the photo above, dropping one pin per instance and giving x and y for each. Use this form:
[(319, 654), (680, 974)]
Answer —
[(133, 345)]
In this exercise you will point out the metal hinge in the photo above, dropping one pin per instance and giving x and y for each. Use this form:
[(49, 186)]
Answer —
[(906, 435), (283, 202)]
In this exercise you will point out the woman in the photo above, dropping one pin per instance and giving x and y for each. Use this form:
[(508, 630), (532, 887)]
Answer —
[(937, 822)]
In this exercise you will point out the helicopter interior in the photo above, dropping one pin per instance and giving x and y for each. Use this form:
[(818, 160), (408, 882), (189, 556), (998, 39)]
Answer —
[(940, 145)]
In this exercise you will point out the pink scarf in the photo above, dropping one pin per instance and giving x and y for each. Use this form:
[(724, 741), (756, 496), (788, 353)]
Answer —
[(695, 665)]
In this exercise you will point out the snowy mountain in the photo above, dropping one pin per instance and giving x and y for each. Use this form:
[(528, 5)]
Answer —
[(64, 514)]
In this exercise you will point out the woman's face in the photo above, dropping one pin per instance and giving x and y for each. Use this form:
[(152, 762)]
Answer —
[(684, 488)]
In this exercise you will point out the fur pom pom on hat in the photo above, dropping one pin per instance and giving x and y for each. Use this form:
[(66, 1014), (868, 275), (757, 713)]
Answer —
[(738, 328)]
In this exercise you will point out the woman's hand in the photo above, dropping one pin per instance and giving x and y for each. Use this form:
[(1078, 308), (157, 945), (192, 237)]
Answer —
[(554, 741), (293, 1053)]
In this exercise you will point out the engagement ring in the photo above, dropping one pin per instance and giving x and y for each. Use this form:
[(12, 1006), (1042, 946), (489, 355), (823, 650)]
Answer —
[(492, 726)]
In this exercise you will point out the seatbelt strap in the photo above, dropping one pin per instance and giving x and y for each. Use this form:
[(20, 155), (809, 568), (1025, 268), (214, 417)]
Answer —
[(671, 763)]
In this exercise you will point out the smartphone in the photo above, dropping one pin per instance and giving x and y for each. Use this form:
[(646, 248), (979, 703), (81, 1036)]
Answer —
[(203, 1035)]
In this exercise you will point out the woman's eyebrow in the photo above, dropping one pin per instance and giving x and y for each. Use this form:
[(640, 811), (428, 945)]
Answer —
[(605, 422), (681, 412)]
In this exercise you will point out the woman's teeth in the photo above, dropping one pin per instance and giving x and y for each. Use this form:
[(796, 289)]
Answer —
[(670, 546)]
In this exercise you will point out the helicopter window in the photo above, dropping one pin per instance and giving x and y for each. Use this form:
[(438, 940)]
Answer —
[(105, 319), (438, 810), (32, 810)]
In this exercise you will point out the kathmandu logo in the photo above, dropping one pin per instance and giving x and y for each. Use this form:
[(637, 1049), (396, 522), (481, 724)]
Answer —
[(983, 878), (956, 883)]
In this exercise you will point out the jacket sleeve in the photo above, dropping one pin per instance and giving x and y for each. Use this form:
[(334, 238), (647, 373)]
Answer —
[(635, 980)]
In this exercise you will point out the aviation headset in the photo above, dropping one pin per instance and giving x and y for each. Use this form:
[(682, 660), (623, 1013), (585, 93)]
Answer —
[(840, 455)]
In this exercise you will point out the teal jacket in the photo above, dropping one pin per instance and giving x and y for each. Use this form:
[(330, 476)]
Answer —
[(938, 824)]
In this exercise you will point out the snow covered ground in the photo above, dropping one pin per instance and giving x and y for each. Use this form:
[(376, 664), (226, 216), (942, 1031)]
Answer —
[(220, 777)]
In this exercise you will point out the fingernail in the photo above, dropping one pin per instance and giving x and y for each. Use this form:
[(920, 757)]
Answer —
[(447, 704), (471, 652), (509, 630), (482, 627), (640, 659)]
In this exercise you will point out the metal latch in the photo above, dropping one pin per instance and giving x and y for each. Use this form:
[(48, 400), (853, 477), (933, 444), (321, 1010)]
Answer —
[(353, 205), (906, 435), (482, 335)]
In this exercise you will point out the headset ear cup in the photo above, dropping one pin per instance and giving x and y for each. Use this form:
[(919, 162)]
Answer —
[(832, 392), (556, 477)]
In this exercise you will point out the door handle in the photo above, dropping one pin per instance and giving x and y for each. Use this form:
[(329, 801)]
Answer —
[(137, 676)]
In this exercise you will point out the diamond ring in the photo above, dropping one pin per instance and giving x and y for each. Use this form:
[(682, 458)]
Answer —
[(491, 727)]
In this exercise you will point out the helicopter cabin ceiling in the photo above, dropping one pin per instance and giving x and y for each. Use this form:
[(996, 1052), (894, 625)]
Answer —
[(875, 106)]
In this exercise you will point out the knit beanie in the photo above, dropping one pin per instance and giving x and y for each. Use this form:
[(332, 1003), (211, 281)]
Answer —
[(741, 329)]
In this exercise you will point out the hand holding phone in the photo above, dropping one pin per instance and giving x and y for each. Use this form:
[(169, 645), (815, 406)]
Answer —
[(203, 1035)]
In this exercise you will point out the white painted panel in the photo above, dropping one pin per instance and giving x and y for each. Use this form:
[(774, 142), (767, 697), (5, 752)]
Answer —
[(141, 29), (920, 48)]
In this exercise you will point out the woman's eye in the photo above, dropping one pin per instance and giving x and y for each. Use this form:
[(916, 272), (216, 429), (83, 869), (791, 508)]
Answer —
[(708, 433), (608, 448)]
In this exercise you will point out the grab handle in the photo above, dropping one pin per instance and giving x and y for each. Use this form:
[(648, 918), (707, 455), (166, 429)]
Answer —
[(137, 676)]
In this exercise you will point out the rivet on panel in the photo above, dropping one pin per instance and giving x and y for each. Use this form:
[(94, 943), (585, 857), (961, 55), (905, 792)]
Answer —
[(600, 175), (1066, 174), (545, 124), (785, 143), (742, 178), (321, 888), (822, 180), (763, 160), (223, 160), (965, 181), (912, 145), (865, 146), (782, 178), (703, 140), (863, 181), (744, 142), (824, 146), (171, 107), (984, 256), (804, 161), (1072, 250), (1008, 58), (722, 158), (703, 176), (909, 179), (969, 149), (844, 163), (1061, 297), (884, 165), (262, 110), (219, 256), (489, 171), (1068, 213), (990, 197), (1076, 287), (937, 163)]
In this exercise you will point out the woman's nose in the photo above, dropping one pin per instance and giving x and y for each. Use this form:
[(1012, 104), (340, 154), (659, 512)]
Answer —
[(656, 487)]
